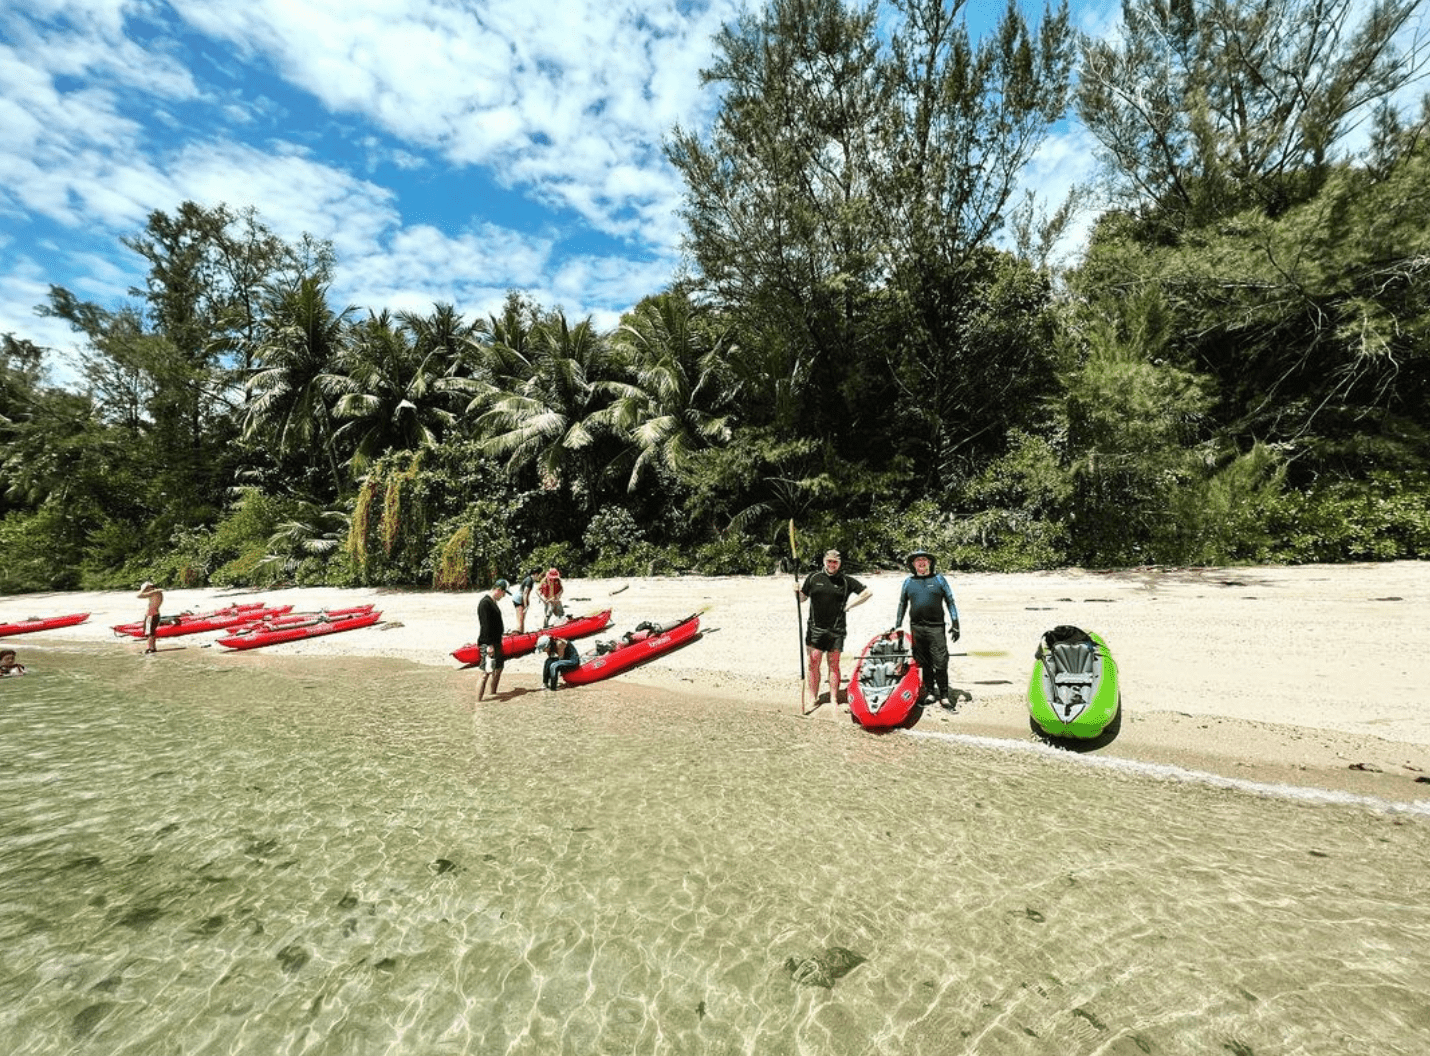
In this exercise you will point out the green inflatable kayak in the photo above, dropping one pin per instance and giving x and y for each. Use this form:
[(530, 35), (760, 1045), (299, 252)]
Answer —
[(1074, 692)]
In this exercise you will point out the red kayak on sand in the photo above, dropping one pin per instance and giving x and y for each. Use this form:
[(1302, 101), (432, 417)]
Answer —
[(41, 623), (885, 685), (196, 623), (282, 618), (320, 624), (634, 648), (519, 643)]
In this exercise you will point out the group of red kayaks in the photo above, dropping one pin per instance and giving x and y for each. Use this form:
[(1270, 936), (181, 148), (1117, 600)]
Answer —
[(250, 625), (644, 643)]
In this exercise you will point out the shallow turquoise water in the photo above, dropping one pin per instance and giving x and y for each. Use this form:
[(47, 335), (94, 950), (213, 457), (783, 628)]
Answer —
[(219, 854)]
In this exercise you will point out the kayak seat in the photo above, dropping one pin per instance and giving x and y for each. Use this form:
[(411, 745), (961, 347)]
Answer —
[(1073, 658)]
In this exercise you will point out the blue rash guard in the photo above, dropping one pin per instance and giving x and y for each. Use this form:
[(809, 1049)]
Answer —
[(925, 597)]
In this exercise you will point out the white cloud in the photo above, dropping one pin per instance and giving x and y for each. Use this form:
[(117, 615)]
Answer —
[(551, 96)]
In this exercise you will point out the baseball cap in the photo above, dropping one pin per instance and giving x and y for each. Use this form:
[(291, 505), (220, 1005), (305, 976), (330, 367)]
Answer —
[(543, 641), (501, 584)]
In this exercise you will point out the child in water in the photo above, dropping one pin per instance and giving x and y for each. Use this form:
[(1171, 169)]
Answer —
[(8, 665)]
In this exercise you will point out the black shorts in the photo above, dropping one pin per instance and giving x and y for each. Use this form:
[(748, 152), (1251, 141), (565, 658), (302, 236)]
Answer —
[(824, 639), (151, 624)]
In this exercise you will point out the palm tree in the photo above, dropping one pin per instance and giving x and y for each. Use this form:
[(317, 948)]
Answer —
[(297, 374), (681, 382), (551, 420), (397, 395)]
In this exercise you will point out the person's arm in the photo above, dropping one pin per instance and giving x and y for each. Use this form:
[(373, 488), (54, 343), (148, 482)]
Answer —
[(859, 599), (953, 631), (903, 605)]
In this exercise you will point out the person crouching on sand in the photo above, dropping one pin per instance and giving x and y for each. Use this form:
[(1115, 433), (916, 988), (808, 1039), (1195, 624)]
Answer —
[(151, 617), (561, 656), (550, 591), (9, 665), (489, 635)]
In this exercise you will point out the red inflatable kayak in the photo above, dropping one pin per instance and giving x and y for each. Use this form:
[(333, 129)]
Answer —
[(318, 624), (196, 623), (42, 623), (519, 643), (646, 645), (885, 685)]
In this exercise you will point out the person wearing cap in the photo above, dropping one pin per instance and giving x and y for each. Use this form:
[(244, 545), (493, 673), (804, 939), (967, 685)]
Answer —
[(561, 655), (489, 635), (925, 595), (155, 597), (831, 594), (549, 591)]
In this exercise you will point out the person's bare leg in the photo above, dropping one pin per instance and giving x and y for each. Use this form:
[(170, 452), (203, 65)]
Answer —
[(496, 681), (834, 678), (814, 658)]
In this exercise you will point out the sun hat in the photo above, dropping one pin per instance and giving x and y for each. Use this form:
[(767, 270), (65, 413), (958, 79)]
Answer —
[(933, 561), (543, 641)]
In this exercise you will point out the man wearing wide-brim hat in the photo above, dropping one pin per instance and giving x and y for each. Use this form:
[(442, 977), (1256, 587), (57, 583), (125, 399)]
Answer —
[(925, 595)]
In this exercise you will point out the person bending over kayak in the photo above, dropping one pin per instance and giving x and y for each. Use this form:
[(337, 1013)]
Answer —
[(521, 600), (829, 593), (925, 594), (489, 634), (561, 656), (549, 590)]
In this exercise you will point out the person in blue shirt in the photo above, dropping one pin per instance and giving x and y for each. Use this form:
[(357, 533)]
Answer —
[(924, 596)]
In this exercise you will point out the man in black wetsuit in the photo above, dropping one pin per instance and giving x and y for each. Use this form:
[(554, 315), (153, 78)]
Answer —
[(925, 594), (829, 593), (489, 635)]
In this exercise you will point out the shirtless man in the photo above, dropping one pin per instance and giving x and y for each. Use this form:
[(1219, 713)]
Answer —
[(151, 618)]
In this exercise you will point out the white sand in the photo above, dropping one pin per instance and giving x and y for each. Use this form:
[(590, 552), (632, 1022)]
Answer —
[(1311, 675)]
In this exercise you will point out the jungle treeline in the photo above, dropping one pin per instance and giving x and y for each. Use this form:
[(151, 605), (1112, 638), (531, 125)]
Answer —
[(869, 341)]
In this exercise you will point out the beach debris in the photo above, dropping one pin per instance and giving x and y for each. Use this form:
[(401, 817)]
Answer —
[(1422, 780), (823, 969), (390, 624), (1369, 768)]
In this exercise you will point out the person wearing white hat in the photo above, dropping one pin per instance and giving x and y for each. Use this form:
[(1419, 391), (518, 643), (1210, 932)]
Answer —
[(155, 597), (561, 655)]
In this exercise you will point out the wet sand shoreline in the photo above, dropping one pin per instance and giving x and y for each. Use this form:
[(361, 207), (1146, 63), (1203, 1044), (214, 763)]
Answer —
[(1303, 676)]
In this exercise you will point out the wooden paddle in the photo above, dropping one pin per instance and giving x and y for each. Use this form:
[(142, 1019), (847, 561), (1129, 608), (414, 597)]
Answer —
[(799, 618)]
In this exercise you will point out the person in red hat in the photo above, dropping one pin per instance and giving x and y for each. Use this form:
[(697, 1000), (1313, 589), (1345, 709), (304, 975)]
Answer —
[(549, 591)]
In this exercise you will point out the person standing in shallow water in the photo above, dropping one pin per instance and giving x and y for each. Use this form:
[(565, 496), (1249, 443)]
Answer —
[(489, 635), (155, 597), (831, 594), (925, 595)]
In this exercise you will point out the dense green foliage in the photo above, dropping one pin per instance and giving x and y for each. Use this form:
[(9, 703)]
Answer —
[(1234, 371)]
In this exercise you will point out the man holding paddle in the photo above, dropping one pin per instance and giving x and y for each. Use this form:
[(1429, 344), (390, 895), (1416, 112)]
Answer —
[(831, 594)]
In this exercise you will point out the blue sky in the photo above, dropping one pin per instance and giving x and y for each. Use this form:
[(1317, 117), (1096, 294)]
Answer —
[(450, 149)]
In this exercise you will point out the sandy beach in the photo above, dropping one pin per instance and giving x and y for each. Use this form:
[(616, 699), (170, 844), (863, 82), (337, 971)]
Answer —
[(1308, 676)]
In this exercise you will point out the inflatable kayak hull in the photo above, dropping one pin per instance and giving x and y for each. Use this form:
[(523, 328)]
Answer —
[(1074, 691), (196, 623), (519, 643), (624, 657), (257, 637), (884, 688), (41, 623)]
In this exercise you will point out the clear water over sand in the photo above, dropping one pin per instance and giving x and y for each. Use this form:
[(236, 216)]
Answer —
[(216, 854)]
